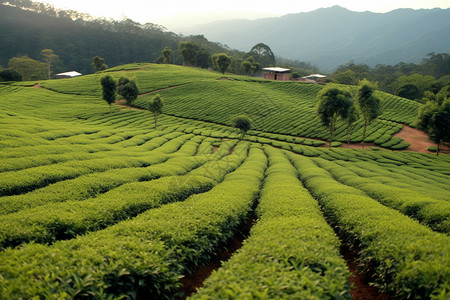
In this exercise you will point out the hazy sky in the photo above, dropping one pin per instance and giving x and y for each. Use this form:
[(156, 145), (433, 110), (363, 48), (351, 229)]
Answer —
[(176, 14)]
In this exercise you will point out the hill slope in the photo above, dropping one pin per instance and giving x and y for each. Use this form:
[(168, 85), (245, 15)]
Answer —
[(329, 37)]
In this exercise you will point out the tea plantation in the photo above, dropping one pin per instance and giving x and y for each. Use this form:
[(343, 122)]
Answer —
[(100, 205)]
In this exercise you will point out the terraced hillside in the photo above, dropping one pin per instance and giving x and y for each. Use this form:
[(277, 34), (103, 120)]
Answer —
[(96, 204)]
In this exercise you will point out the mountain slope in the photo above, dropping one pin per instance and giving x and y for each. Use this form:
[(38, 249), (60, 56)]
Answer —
[(332, 36)]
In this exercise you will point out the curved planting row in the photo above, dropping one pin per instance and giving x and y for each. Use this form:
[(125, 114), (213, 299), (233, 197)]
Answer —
[(53, 221), (292, 253), (143, 257), (425, 208), (407, 259)]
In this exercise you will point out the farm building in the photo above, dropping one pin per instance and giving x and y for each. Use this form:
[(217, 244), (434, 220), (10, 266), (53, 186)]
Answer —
[(70, 74), (276, 73)]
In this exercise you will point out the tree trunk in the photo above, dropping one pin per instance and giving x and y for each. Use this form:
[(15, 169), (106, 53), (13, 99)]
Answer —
[(438, 146), (364, 132), (333, 124)]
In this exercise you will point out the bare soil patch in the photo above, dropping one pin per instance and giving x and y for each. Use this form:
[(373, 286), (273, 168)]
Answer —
[(419, 140)]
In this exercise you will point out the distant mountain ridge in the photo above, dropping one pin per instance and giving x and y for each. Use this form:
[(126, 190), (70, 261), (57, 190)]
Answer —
[(329, 37)]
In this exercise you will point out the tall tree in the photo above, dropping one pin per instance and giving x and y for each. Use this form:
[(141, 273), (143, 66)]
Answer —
[(98, 63), (353, 116), (262, 54), (369, 105), (49, 58), (222, 61), (128, 89), (333, 103), (155, 106), (167, 54), (203, 58), (434, 119), (188, 51), (109, 89), (243, 123), (28, 68)]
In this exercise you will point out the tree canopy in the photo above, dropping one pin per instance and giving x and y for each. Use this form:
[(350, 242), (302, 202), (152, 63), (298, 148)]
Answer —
[(155, 106), (109, 89), (262, 54), (369, 105), (28, 68), (434, 120), (243, 123), (128, 89), (334, 102)]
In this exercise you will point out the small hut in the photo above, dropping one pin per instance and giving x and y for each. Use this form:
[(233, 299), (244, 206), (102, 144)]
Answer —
[(276, 73)]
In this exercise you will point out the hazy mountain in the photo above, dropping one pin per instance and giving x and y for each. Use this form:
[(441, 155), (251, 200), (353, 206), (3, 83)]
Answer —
[(329, 37)]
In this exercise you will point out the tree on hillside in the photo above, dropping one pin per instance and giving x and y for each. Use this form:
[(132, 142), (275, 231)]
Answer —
[(127, 89), (333, 103), (262, 54), (109, 89), (203, 58), (98, 63), (408, 91), (188, 51), (49, 58), (434, 120), (250, 66), (353, 116), (369, 105), (222, 62), (28, 68), (155, 106), (10, 75), (167, 54), (243, 123)]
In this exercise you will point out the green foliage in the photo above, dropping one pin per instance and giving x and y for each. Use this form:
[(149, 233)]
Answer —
[(243, 123), (109, 89), (408, 91), (222, 62), (10, 75), (333, 103), (128, 89), (262, 54), (28, 68), (434, 119), (167, 55), (98, 64), (155, 106), (369, 104)]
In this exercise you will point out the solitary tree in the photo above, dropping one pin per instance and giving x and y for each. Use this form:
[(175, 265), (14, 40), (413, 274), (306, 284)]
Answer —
[(369, 105), (222, 61), (434, 119), (353, 116), (155, 106), (98, 63), (167, 54), (49, 58), (109, 89), (262, 54), (243, 123), (333, 103), (127, 89), (188, 51)]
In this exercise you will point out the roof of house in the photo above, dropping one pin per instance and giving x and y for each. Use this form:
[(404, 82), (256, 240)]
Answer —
[(69, 74), (276, 69)]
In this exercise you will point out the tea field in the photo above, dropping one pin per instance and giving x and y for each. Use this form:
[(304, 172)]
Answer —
[(100, 205)]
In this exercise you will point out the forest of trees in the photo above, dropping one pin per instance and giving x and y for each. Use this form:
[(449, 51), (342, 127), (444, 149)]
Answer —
[(412, 81), (75, 38)]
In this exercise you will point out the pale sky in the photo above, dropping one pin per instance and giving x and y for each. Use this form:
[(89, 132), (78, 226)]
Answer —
[(176, 14)]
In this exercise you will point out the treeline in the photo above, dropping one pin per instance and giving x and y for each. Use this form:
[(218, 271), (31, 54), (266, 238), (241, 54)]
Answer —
[(76, 38), (408, 80)]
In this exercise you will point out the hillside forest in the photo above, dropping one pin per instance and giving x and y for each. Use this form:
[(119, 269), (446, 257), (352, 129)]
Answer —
[(75, 39)]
